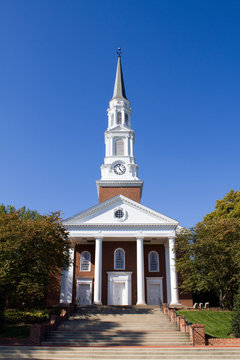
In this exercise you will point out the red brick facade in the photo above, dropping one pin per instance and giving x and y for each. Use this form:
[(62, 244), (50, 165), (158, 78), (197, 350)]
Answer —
[(106, 193), (108, 248)]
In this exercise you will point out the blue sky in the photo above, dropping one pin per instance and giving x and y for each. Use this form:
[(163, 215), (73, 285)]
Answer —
[(182, 75)]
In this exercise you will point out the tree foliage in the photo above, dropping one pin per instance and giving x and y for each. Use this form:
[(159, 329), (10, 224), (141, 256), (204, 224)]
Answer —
[(236, 316), (32, 246), (208, 255)]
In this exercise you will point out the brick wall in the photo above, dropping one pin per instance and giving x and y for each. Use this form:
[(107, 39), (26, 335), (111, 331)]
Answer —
[(224, 342), (106, 193), (162, 267), (83, 274), (108, 265), (53, 295), (108, 249)]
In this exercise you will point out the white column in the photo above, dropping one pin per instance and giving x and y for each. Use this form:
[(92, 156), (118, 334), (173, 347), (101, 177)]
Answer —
[(98, 272), (107, 146), (140, 273), (131, 146), (173, 273), (168, 284), (123, 117), (67, 281), (111, 147)]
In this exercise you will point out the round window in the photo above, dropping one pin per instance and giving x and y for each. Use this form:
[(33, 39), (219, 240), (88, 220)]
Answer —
[(119, 214)]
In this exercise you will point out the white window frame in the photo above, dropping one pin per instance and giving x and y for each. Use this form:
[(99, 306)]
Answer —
[(115, 267), (149, 262), (89, 261)]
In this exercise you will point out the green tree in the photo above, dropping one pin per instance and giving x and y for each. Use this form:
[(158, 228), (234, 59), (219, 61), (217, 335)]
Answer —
[(32, 247), (228, 207), (208, 255), (236, 316)]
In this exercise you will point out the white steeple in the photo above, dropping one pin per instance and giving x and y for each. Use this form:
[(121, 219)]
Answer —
[(119, 163)]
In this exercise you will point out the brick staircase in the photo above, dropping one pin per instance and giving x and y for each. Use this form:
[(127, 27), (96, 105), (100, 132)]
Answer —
[(117, 326), (118, 333)]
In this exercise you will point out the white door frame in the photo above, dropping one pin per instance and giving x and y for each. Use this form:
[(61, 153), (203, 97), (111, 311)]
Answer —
[(88, 281), (120, 277), (156, 281)]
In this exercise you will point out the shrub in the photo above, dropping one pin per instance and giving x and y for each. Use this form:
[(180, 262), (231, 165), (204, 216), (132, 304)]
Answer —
[(14, 316), (2, 306), (236, 316), (55, 310)]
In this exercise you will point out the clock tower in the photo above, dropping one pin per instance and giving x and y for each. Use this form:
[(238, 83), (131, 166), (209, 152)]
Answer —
[(119, 173)]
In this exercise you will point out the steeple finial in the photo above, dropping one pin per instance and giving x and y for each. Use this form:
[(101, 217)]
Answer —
[(119, 89), (119, 52)]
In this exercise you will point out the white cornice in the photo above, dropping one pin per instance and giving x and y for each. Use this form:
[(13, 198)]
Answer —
[(120, 225), (119, 183)]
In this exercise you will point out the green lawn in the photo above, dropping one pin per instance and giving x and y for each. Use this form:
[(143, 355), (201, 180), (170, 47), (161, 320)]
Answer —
[(216, 323), (15, 330)]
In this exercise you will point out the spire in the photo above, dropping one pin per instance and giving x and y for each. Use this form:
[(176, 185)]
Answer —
[(119, 89)]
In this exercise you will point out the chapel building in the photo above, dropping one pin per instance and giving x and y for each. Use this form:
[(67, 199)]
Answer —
[(122, 251)]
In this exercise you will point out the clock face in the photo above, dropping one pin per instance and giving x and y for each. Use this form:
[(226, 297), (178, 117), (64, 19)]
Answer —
[(119, 169)]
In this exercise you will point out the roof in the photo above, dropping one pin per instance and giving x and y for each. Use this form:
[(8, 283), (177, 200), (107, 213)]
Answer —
[(119, 88)]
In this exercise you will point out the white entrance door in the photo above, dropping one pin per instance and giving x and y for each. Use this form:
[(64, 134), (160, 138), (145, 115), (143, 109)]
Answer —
[(84, 293), (119, 288), (119, 294), (154, 291), (154, 294)]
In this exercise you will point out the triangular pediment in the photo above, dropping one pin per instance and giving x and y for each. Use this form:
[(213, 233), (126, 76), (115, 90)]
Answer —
[(134, 214), (118, 128)]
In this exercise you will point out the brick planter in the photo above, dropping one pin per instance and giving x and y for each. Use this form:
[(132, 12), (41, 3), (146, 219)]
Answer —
[(224, 342)]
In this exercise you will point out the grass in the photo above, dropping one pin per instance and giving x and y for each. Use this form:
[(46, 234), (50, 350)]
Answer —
[(14, 330), (216, 323)]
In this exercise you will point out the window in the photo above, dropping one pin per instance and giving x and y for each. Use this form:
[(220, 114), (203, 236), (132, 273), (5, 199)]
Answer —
[(119, 146), (85, 261), (153, 261), (119, 117), (112, 119), (126, 119), (119, 213), (119, 259)]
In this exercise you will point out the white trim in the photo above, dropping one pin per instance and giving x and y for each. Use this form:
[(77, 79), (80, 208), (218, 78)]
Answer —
[(155, 281), (120, 277), (109, 202), (89, 261), (124, 214), (149, 262), (81, 280)]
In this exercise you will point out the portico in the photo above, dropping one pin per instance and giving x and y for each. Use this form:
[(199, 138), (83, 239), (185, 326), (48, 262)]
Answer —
[(98, 231)]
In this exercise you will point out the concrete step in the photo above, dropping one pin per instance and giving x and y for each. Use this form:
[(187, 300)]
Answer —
[(122, 336), (43, 353), (111, 326)]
